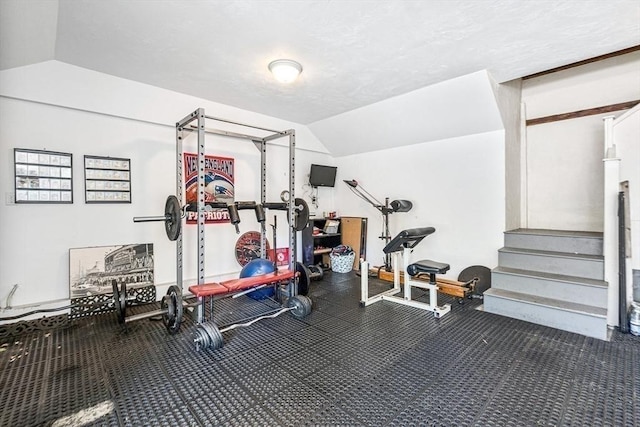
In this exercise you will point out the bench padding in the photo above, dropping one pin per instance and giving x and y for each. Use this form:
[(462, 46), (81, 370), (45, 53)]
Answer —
[(235, 285), (427, 266)]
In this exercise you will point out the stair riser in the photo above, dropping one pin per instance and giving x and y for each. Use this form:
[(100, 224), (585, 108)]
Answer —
[(564, 291), (579, 323), (590, 269), (568, 244)]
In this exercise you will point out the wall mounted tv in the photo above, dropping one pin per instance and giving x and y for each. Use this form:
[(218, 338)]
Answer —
[(322, 176)]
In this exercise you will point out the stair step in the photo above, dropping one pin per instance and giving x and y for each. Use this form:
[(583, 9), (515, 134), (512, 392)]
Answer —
[(568, 316), (563, 263), (557, 286), (576, 242)]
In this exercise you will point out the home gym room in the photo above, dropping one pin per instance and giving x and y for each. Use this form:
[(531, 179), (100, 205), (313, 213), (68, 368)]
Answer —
[(431, 220)]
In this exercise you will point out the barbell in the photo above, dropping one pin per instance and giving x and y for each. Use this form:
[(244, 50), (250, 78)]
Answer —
[(120, 300), (173, 214), (172, 218), (171, 309), (207, 335)]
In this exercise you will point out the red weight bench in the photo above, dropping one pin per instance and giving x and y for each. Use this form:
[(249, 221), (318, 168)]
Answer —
[(235, 285)]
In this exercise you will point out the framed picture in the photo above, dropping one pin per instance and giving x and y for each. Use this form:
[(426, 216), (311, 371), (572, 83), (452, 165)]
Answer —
[(92, 269), (43, 176), (107, 180)]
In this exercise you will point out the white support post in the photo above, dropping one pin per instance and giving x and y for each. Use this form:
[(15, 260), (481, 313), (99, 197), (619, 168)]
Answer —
[(610, 231), (407, 279), (524, 176), (364, 281), (395, 264)]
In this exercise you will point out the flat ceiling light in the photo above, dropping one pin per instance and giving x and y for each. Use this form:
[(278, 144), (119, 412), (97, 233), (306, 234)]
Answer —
[(285, 70)]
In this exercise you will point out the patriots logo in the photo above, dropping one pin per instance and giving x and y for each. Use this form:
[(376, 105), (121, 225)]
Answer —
[(219, 190)]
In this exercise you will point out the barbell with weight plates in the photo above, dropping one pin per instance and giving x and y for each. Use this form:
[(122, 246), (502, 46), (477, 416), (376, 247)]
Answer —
[(120, 300), (171, 310), (172, 218), (173, 214), (207, 335)]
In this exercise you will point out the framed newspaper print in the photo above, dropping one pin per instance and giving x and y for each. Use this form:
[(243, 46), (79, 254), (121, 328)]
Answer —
[(107, 180), (43, 176)]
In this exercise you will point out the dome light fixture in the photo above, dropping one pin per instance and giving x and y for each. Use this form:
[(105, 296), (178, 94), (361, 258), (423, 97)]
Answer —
[(285, 70)]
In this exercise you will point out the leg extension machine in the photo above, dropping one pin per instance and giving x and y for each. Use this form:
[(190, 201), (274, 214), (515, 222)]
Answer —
[(401, 246)]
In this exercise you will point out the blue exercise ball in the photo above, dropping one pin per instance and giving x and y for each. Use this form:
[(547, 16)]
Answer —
[(257, 267)]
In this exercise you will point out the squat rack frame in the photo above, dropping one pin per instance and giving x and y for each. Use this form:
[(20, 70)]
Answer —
[(196, 122)]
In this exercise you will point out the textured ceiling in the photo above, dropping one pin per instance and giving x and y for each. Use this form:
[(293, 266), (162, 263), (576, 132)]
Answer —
[(354, 53)]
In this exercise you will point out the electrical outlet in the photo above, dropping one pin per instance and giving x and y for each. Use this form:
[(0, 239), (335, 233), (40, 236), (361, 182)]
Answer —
[(10, 198)]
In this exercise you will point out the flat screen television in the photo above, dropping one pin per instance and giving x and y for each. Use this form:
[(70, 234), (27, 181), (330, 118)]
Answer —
[(322, 176)]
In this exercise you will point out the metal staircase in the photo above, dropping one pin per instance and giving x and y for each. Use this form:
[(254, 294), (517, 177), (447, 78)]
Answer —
[(552, 278)]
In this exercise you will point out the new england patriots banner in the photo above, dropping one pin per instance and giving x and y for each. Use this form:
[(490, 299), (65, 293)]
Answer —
[(219, 186)]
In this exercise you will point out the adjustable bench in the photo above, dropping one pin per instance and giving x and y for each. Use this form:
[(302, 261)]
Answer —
[(401, 246)]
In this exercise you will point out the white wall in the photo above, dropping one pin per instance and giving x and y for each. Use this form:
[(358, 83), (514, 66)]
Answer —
[(58, 107), (465, 105), (456, 185), (564, 172), (565, 177)]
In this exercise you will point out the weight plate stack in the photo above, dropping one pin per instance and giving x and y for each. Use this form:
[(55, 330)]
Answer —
[(300, 306), (207, 335)]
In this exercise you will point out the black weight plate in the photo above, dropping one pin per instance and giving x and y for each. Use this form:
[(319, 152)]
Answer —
[(170, 315), (301, 214), (123, 303), (208, 336), (304, 278), (200, 337), (116, 301), (173, 217), (172, 302), (306, 301), (216, 339), (300, 306), (483, 274), (302, 217), (164, 305), (119, 300)]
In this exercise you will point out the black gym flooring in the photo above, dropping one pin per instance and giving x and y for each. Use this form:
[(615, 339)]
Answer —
[(383, 365)]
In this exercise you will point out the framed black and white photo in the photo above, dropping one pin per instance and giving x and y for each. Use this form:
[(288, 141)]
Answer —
[(43, 176), (107, 180), (92, 269), (95, 271)]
